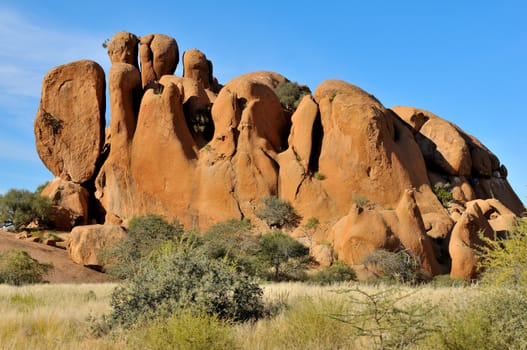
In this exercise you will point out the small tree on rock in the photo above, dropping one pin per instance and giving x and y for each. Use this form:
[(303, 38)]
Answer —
[(278, 213)]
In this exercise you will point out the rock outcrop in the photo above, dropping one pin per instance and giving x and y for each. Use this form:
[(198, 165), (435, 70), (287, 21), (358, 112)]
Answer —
[(69, 126), (71, 203), (159, 55), (190, 148), (85, 242), (473, 171)]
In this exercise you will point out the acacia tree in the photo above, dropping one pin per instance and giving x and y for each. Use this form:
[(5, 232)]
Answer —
[(278, 213), (18, 208), (276, 249)]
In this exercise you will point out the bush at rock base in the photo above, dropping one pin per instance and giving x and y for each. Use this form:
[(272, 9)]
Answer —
[(176, 280), (504, 261), (144, 235), (400, 267), (17, 268), (234, 241), (338, 272), (284, 255)]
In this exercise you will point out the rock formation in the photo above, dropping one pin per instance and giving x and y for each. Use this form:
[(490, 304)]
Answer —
[(159, 55), (71, 203), (85, 243), (69, 126), (190, 148)]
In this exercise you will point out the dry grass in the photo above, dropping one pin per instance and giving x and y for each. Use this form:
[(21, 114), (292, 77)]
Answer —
[(52, 316), (57, 316)]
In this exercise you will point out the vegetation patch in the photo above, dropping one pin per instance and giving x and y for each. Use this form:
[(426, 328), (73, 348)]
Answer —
[(278, 213), (18, 268), (18, 208), (290, 94)]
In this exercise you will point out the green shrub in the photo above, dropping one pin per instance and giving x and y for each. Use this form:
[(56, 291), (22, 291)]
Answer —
[(181, 280), (278, 213), (319, 176), (18, 208), (304, 324), (447, 281), (144, 235), (444, 195), (235, 242), (361, 201), (400, 267), (17, 268), (290, 94), (183, 330), (496, 319), (284, 255), (504, 261), (339, 272)]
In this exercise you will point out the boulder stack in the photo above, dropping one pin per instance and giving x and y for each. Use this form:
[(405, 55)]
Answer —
[(190, 148)]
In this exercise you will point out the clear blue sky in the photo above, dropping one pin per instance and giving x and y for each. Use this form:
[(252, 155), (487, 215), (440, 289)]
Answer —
[(465, 61)]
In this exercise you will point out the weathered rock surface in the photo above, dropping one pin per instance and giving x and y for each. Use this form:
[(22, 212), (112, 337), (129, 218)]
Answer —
[(114, 181), (197, 67), (181, 147), (85, 242), (238, 166), (164, 154), (71, 203), (123, 48), (159, 56), (69, 126), (465, 239), (474, 171), (366, 229), (346, 128)]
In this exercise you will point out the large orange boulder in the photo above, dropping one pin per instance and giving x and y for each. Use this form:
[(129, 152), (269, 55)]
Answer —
[(71, 203), (114, 181), (344, 145), (465, 239), (85, 242), (473, 171), (270, 79), (159, 55), (196, 66), (368, 228), (441, 142), (164, 154), (69, 125), (238, 166), (123, 48)]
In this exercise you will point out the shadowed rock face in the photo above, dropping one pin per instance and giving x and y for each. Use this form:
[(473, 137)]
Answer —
[(181, 147), (472, 170), (69, 126)]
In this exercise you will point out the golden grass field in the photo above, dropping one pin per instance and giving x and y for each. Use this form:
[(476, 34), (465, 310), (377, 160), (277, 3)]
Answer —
[(60, 316)]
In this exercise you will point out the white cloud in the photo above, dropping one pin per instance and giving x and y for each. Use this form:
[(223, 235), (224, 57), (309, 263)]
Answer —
[(29, 51)]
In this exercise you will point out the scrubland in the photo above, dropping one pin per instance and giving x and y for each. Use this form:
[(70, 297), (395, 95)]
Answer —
[(302, 316)]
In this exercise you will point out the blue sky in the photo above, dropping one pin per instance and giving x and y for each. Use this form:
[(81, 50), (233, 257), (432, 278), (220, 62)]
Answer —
[(465, 61)]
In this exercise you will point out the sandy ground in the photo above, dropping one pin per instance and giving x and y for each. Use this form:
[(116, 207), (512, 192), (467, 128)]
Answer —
[(64, 270)]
